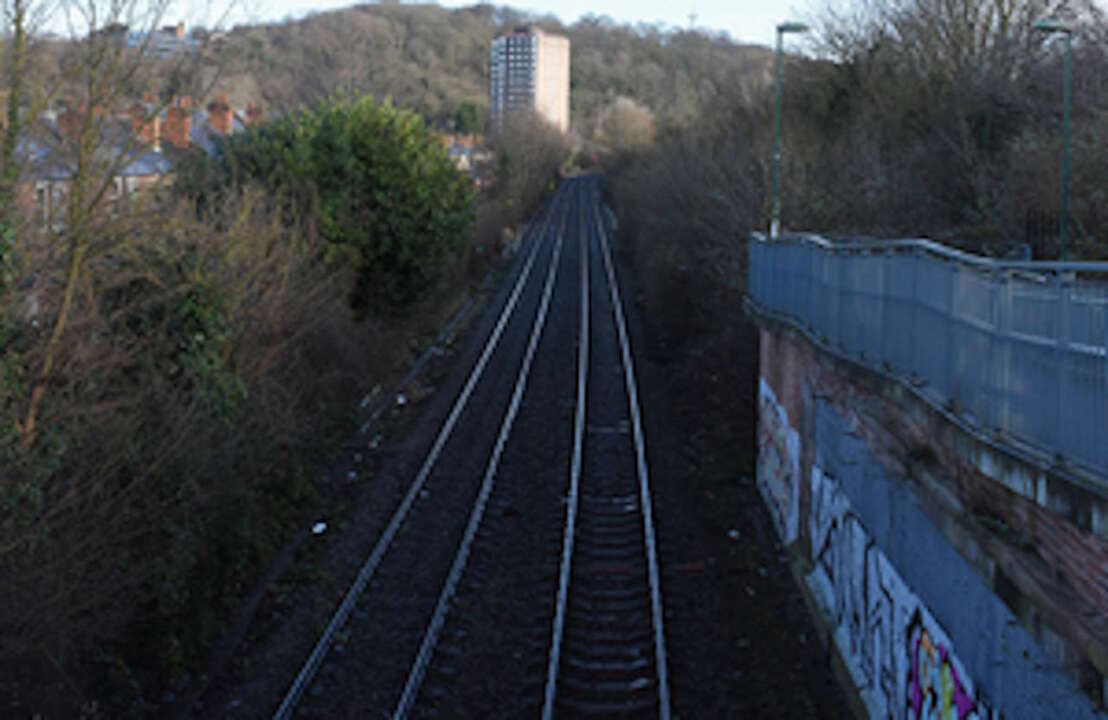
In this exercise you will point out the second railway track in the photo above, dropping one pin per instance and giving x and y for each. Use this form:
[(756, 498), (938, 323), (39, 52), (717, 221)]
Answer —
[(532, 589)]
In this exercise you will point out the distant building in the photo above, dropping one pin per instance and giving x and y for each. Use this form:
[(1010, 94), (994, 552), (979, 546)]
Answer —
[(138, 146), (48, 161), (529, 68), (160, 43)]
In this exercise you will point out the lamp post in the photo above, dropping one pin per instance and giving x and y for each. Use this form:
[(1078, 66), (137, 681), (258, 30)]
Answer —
[(1058, 26), (775, 211)]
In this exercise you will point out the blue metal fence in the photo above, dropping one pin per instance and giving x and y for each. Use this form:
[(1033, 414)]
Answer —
[(1018, 349)]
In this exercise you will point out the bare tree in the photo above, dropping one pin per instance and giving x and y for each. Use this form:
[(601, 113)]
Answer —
[(625, 125)]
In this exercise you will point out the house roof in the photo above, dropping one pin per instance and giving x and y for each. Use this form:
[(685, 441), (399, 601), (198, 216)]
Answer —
[(45, 158), (41, 161), (204, 136), (148, 163)]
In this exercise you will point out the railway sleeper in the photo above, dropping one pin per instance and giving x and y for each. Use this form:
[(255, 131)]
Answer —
[(609, 527), (614, 514), (594, 595), (625, 530), (613, 710), (639, 604), (608, 635), (640, 684), (623, 551), (608, 651), (606, 618), (638, 708), (607, 666), (608, 499)]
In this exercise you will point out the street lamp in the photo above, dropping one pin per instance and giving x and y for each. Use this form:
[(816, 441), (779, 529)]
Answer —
[(1058, 26), (775, 212)]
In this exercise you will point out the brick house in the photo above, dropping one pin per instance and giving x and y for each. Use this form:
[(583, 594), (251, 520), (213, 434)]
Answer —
[(139, 147)]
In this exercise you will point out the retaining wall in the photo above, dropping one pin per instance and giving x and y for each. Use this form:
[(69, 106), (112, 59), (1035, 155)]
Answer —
[(953, 579)]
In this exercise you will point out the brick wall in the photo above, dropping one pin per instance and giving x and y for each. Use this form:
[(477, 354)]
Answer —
[(1029, 532)]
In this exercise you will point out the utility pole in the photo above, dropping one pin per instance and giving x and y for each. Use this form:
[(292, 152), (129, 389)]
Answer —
[(775, 211), (1058, 26)]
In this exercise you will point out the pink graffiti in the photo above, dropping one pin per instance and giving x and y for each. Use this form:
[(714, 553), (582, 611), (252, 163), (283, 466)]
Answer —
[(934, 688)]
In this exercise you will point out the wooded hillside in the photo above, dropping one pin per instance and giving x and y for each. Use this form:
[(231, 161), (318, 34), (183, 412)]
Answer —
[(435, 61)]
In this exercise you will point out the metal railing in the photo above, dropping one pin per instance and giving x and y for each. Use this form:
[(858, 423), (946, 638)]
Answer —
[(1016, 349)]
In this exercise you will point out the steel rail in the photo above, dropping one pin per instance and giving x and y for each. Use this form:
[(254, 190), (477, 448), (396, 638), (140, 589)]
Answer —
[(442, 607), (643, 472), (365, 574), (572, 500)]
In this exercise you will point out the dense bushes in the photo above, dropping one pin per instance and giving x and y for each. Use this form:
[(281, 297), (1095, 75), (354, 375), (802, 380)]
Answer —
[(173, 441), (172, 376), (374, 182)]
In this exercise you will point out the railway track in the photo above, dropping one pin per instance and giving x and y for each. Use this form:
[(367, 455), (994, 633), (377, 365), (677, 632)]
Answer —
[(607, 652), (544, 597)]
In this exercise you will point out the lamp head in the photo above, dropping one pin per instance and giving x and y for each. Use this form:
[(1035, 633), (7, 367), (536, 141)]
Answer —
[(1054, 26), (792, 27)]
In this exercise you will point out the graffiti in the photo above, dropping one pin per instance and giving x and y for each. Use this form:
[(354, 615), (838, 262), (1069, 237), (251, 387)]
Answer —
[(899, 657), (778, 463), (935, 688)]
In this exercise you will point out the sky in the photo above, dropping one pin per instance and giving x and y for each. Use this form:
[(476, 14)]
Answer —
[(747, 21), (750, 21)]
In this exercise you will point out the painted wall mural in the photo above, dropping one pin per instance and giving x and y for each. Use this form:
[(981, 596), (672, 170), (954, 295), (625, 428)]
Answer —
[(900, 658), (778, 462)]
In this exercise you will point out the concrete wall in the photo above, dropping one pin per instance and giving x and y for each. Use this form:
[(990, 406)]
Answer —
[(938, 583)]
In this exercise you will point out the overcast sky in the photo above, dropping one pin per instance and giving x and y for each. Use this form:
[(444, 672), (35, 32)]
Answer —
[(746, 20), (749, 21)]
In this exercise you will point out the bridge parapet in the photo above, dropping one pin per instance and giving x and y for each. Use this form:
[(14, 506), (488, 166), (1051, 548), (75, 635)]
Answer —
[(933, 448), (1018, 350)]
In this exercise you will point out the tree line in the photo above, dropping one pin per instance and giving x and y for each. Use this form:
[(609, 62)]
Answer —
[(435, 61), (903, 118)]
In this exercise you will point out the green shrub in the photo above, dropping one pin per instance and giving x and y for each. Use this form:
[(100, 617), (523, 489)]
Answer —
[(375, 183)]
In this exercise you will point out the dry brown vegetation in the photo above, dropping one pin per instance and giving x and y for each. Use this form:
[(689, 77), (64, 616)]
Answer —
[(916, 118), (172, 376), (176, 368), (528, 155)]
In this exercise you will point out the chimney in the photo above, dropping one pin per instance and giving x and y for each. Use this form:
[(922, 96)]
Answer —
[(145, 126), (178, 126), (254, 113), (69, 122), (219, 115)]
